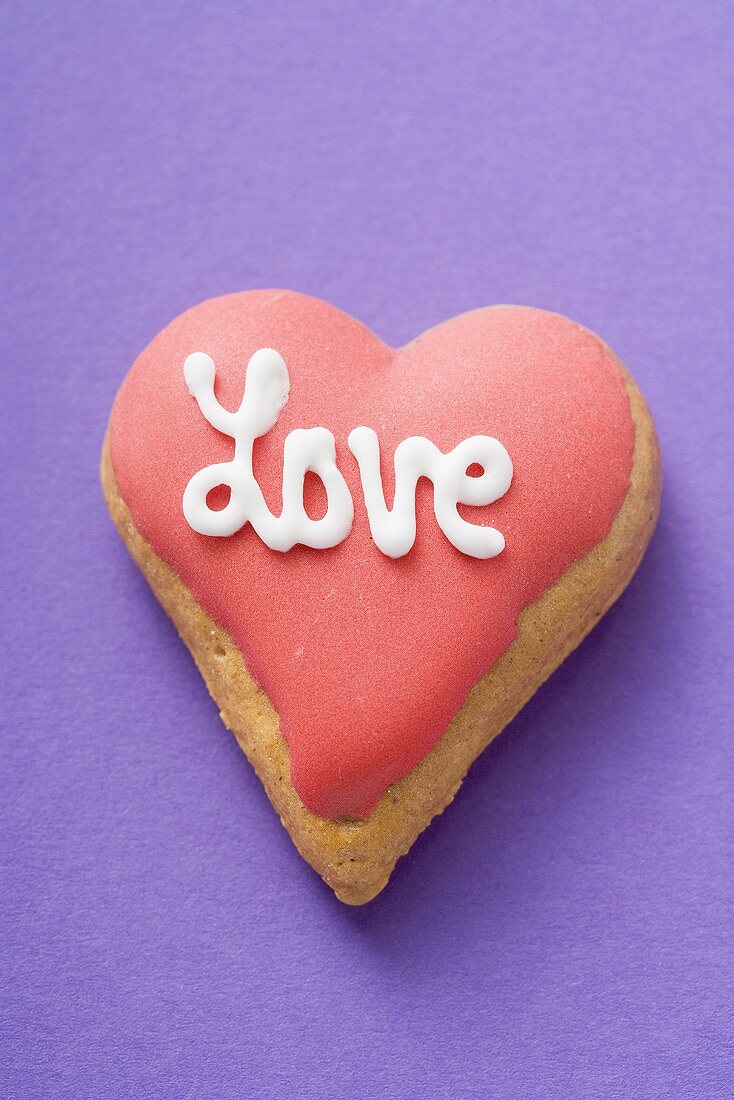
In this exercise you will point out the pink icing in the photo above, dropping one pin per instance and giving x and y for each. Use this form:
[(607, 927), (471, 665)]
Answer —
[(367, 659)]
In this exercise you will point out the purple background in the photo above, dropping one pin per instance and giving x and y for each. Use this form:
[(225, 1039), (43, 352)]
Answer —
[(564, 930)]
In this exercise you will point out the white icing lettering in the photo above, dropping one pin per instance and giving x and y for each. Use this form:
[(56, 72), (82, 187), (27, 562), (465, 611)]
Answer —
[(394, 531), (267, 386), (266, 392)]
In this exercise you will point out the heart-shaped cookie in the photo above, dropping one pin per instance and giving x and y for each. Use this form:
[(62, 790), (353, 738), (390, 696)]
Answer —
[(363, 671)]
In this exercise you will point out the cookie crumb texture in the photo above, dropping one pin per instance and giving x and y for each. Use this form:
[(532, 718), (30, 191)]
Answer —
[(356, 857)]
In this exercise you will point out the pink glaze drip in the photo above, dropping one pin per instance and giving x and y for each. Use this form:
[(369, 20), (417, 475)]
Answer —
[(367, 659)]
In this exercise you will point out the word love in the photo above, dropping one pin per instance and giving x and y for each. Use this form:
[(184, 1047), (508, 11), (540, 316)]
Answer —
[(267, 386)]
